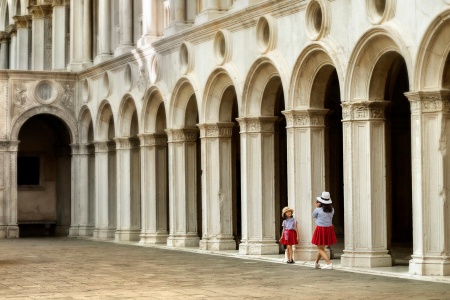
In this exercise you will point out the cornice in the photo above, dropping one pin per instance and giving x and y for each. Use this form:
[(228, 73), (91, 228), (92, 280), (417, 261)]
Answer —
[(236, 21), (116, 62)]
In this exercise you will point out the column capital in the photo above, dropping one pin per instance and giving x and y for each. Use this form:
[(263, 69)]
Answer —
[(429, 101), (182, 135), (153, 139), (305, 118), (11, 146), (4, 37), (216, 130), (126, 143), (11, 29), (104, 146), (363, 110), (40, 11), (257, 124), (20, 21), (82, 149)]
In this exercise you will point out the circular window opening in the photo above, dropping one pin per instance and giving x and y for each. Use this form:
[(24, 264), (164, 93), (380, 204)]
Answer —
[(45, 90), (183, 56), (380, 6), (266, 34), (317, 18)]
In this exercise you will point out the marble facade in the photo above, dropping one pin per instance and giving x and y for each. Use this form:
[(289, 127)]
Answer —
[(192, 123)]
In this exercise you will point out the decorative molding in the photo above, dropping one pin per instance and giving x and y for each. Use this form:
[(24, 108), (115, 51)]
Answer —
[(432, 101), (182, 135), (257, 124), (216, 130), (305, 118), (364, 110), (67, 97), (153, 139)]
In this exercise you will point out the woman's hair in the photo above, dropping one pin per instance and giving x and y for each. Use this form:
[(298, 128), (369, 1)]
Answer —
[(326, 207)]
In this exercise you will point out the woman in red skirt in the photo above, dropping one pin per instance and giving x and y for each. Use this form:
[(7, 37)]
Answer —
[(324, 234), (289, 236)]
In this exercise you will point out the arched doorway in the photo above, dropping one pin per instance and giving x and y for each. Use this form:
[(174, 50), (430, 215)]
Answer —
[(398, 159), (44, 177)]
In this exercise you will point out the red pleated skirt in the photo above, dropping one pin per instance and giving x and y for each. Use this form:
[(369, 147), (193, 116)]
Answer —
[(289, 238), (324, 236)]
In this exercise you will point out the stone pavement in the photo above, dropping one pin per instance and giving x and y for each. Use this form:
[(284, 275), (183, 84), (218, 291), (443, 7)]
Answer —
[(65, 268)]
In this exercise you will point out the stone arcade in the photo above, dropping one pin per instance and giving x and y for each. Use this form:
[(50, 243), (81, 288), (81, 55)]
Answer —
[(192, 123)]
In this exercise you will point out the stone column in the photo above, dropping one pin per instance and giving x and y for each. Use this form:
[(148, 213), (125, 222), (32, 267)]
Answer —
[(23, 46), (8, 189), (210, 9), (150, 22), (128, 207), (177, 17), (87, 33), (258, 186), (59, 35), (182, 187), (12, 31), (77, 192), (81, 195), (104, 227), (77, 41), (217, 194), (430, 141), (306, 171), (126, 27), (154, 188), (41, 37), (104, 32), (365, 185), (4, 50)]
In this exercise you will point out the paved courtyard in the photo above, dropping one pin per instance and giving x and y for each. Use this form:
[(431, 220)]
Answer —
[(64, 268)]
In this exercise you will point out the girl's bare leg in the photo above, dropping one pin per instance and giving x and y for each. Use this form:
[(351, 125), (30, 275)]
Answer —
[(317, 257), (323, 253)]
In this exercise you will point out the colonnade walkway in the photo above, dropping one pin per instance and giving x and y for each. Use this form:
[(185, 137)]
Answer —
[(71, 268)]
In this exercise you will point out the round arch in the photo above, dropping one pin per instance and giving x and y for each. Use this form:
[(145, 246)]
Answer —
[(67, 119), (85, 120), (261, 74), (185, 88), (433, 55), (364, 61), (217, 88), (150, 120), (104, 116), (316, 61), (126, 110)]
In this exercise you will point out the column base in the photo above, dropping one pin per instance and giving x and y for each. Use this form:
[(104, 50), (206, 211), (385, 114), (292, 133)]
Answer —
[(258, 248), (127, 235), (175, 28), (307, 253), (86, 230), (74, 231), (218, 244), (208, 16), (123, 49), (153, 238), (366, 259), (75, 67), (3, 231), (12, 232), (431, 265), (102, 58), (183, 241), (62, 230), (104, 233)]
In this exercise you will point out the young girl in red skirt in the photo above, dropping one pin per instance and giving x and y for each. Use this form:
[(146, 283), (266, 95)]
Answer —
[(289, 236), (324, 234)]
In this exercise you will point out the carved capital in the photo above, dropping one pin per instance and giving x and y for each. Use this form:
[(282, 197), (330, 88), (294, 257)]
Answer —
[(153, 139), (104, 146), (257, 124), (40, 11), (216, 130), (432, 101), (182, 135), (4, 37), (364, 110), (10, 146), (82, 149), (305, 118), (20, 21), (11, 29), (126, 143)]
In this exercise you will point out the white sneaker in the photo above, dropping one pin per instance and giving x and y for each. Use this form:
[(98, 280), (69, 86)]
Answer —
[(316, 266), (328, 267)]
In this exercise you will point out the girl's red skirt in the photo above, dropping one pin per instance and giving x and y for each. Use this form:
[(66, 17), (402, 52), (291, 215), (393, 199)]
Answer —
[(324, 236), (289, 237)]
